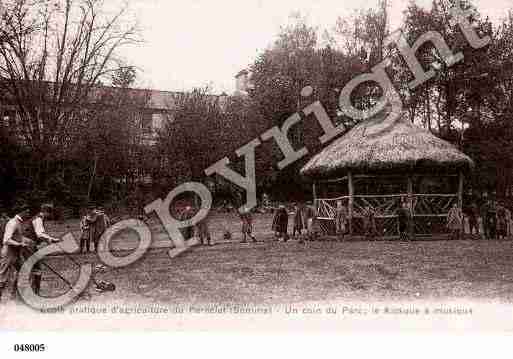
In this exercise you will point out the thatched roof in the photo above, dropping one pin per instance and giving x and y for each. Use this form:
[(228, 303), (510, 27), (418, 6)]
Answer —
[(376, 145)]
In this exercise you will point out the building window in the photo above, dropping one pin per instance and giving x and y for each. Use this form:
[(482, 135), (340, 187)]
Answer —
[(147, 123)]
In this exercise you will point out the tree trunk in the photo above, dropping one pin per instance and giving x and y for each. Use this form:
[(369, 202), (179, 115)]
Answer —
[(93, 176), (350, 188)]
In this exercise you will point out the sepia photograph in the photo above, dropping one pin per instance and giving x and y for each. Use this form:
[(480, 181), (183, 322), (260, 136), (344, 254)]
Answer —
[(255, 166)]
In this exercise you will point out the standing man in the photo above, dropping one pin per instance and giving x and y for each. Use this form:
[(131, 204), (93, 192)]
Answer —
[(341, 220), (12, 243), (36, 233)]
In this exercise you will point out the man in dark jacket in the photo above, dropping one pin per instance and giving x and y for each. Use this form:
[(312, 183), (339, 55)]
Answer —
[(283, 223), (403, 219), (36, 233), (12, 243)]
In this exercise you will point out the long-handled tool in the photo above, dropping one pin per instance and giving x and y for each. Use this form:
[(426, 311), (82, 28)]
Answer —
[(101, 285), (47, 266)]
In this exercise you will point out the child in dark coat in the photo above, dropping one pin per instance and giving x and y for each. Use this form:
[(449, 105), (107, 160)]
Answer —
[(282, 223)]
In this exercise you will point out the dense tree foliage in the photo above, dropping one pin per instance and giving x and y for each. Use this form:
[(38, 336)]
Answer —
[(81, 142)]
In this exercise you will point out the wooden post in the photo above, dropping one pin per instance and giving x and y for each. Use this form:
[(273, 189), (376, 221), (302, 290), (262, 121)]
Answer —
[(351, 200), (460, 202), (314, 188), (92, 178), (460, 191), (411, 224)]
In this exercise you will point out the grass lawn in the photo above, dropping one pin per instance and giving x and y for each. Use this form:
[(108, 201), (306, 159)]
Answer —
[(273, 272)]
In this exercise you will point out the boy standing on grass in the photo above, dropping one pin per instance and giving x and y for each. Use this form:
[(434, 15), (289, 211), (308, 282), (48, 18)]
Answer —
[(86, 227), (283, 222), (369, 223), (488, 211), (311, 215), (203, 232), (186, 216), (473, 219), (454, 221), (502, 224), (492, 220), (247, 225), (298, 220), (341, 220)]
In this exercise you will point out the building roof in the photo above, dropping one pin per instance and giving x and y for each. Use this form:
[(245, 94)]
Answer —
[(242, 72), (376, 146)]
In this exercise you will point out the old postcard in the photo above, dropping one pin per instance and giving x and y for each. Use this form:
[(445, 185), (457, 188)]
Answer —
[(255, 165)]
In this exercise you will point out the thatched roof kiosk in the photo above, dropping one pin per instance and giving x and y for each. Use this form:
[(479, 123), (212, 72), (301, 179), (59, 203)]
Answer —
[(380, 149)]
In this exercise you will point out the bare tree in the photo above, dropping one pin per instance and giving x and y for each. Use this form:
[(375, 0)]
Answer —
[(53, 56)]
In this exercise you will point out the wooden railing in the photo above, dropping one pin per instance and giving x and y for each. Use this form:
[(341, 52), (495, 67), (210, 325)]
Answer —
[(429, 212)]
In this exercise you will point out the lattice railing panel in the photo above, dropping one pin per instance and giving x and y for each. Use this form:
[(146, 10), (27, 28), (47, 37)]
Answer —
[(430, 225), (433, 204), (326, 227), (429, 210), (383, 206), (326, 208)]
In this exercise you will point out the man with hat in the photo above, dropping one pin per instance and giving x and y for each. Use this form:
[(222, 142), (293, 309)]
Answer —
[(36, 233), (93, 225), (12, 243)]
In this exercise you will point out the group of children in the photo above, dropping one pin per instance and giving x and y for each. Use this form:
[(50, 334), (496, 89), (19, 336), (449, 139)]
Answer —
[(201, 229), (305, 218), (303, 221), (92, 226), (494, 217)]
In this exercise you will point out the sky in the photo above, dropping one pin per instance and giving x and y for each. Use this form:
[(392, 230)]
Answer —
[(192, 43)]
